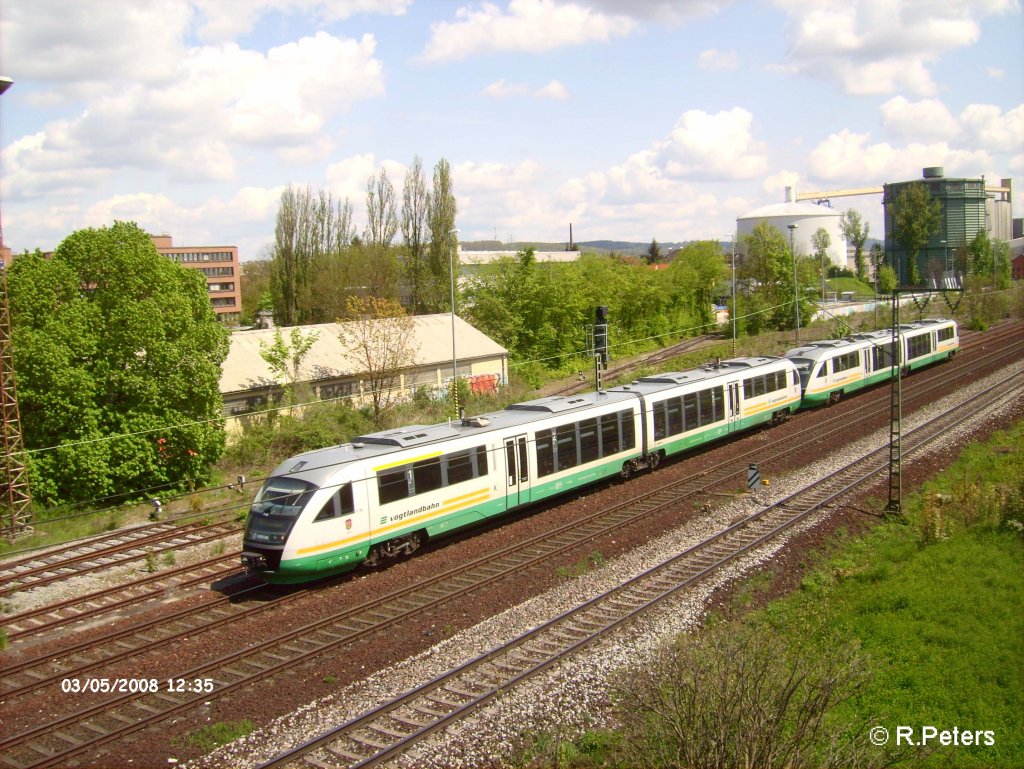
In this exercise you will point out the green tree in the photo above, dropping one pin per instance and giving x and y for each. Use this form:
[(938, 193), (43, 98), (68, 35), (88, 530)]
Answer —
[(118, 354), (855, 230), (693, 276), (821, 241), (381, 210), (308, 227), (415, 202), (285, 358), (255, 289), (441, 211), (980, 249), (654, 253), (887, 279), (768, 267), (916, 216)]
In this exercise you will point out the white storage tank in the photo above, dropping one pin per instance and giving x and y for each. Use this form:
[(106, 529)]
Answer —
[(808, 217)]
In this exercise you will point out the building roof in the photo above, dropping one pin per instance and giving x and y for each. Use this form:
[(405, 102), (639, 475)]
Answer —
[(790, 209), (245, 368)]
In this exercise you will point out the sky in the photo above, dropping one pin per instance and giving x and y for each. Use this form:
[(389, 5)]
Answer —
[(630, 119)]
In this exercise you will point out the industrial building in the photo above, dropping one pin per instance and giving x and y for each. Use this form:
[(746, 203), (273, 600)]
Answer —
[(805, 219), (968, 207)]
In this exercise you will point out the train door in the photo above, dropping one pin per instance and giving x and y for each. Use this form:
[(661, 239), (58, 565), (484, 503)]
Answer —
[(517, 472), (735, 406)]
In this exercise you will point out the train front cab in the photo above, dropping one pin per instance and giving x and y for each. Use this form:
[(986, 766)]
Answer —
[(297, 530)]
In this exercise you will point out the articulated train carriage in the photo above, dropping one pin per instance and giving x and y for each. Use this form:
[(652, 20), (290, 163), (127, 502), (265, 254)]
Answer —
[(381, 496), (384, 494), (835, 367)]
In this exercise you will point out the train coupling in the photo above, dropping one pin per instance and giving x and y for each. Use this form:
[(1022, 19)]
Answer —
[(255, 561)]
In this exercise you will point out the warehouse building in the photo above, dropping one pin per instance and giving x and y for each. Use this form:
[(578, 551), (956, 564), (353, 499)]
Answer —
[(331, 371)]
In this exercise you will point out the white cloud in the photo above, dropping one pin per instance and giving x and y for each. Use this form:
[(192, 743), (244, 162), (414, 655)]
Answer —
[(878, 47), (718, 146), (68, 44), (527, 25), (776, 184), (996, 73), (197, 126), (713, 59), (661, 11), (990, 128), (470, 177), (222, 20), (925, 119), (847, 158), (503, 90)]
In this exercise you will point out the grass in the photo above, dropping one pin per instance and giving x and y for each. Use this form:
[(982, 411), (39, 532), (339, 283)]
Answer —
[(858, 287), (934, 607), (215, 735)]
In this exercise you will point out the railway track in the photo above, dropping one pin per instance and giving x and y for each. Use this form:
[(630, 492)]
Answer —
[(122, 644), (51, 617), (99, 553), (96, 555), (402, 722), (107, 721)]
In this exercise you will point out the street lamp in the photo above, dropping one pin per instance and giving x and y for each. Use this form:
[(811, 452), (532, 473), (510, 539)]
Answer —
[(454, 235), (732, 312), (796, 290)]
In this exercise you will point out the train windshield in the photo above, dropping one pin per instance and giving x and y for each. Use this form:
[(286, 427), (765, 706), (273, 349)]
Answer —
[(276, 508)]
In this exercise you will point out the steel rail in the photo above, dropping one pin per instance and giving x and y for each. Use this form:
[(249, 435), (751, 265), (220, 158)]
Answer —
[(390, 729)]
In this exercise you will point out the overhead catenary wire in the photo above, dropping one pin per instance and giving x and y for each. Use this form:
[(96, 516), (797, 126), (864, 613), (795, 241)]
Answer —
[(321, 401)]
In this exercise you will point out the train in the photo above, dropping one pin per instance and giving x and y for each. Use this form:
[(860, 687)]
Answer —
[(384, 494)]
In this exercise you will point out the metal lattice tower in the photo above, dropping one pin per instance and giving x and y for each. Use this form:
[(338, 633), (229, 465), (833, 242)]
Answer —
[(895, 506), (17, 499), (15, 496)]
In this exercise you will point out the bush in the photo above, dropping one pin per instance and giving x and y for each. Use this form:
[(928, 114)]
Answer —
[(736, 696)]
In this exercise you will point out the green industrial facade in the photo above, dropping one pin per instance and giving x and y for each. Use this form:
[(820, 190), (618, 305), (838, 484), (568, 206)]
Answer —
[(963, 217)]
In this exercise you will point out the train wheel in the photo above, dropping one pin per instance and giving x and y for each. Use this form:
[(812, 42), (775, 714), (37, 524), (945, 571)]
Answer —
[(372, 556), (835, 397), (653, 460)]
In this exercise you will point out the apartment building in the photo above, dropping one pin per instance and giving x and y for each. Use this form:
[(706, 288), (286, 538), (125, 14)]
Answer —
[(219, 264)]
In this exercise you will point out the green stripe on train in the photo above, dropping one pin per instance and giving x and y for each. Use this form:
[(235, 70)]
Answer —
[(819, 398)]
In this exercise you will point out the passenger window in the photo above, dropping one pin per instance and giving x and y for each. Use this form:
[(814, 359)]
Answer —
[(460, 467), (329, 510), (392, 485), (427, 475), (348, 505)]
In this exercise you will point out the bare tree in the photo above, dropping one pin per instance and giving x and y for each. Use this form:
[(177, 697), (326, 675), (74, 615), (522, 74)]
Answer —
[(737, 697), (381, 212), (379, 335), (415, 202)]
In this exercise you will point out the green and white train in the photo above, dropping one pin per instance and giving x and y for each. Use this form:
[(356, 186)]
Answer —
[(832, 368), (382, 495)]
